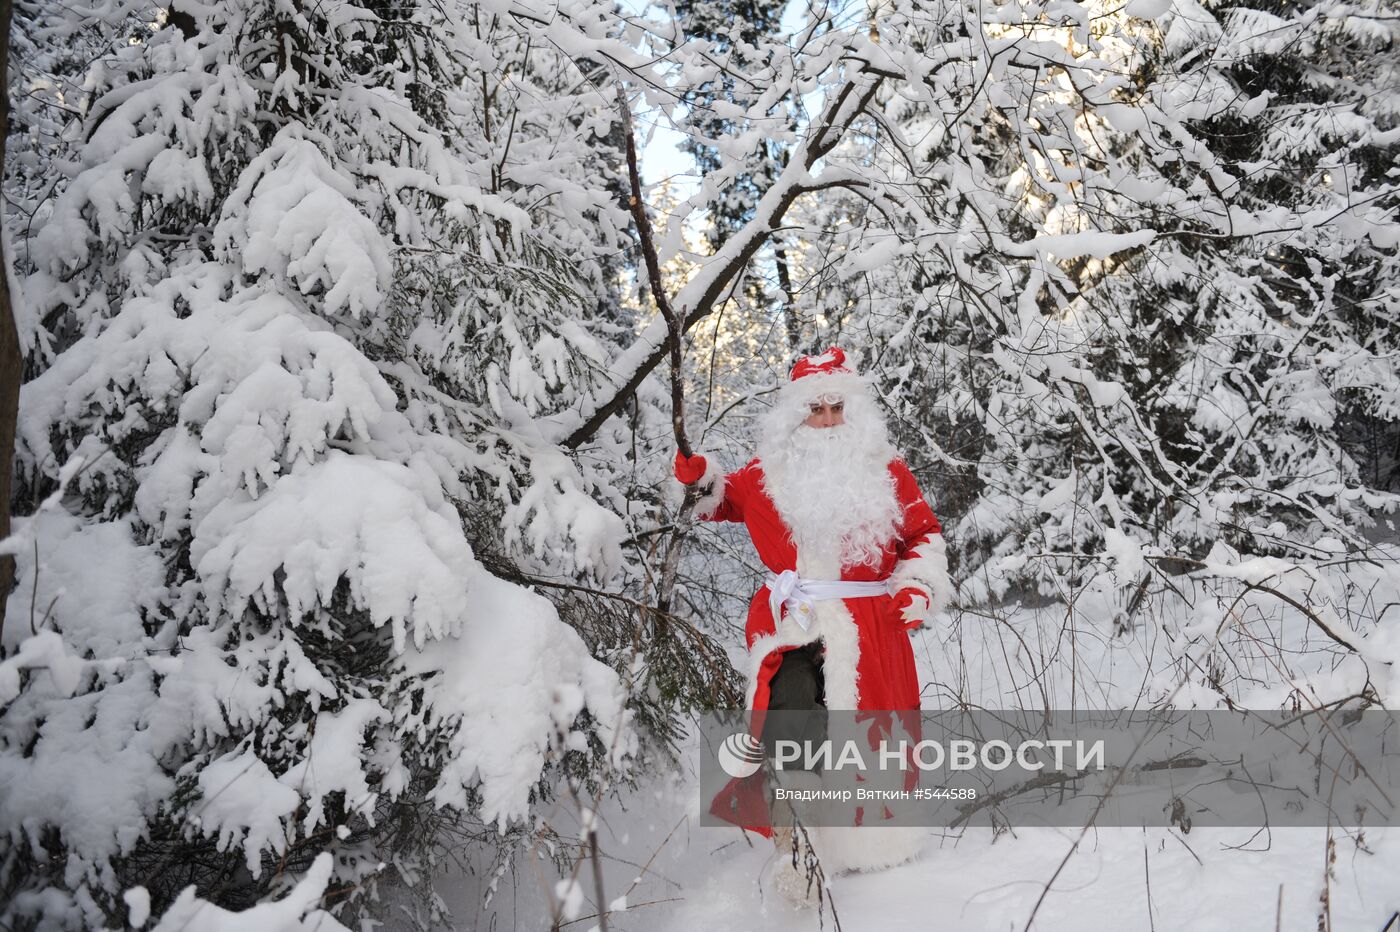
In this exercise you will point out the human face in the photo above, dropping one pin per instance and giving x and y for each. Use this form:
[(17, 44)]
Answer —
[(827, 412)]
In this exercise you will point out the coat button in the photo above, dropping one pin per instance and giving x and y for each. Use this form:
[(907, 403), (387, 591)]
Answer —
[(806, 609)]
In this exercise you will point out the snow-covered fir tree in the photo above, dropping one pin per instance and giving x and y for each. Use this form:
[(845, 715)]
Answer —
[(293, 313), (1124, 288), (736, 35)]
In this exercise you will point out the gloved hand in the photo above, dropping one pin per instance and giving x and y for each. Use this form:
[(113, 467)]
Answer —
[(689, 469), (913, 604)]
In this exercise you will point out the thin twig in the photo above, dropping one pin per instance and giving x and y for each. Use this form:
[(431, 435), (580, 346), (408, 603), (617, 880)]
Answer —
[(1147, 874)]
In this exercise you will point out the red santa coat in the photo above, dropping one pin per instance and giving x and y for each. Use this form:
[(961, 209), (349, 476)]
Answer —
[(869, 663)]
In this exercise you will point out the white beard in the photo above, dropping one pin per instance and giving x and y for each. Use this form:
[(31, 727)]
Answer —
[(832, 487)]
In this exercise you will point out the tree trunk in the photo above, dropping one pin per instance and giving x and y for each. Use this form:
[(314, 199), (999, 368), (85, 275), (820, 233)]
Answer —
[(11, 359), (780, 260)]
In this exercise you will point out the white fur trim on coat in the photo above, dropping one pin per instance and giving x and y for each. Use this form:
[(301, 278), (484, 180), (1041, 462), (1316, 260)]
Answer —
[(866, 847), (831, 623), (926, 567)]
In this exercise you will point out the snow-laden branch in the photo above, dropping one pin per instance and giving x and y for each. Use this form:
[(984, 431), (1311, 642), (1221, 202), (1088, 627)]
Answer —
[(701, 294)]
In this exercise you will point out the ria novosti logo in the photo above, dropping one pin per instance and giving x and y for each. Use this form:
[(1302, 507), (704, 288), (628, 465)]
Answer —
[(741, 755)]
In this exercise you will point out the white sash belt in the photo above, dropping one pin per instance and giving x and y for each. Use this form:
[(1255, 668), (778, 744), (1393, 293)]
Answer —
[(797, 594)]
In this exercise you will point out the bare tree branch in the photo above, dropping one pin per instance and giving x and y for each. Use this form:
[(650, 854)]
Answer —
[(700, 296)]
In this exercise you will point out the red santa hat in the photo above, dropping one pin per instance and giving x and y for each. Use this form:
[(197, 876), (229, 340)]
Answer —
[(828, 363), (823, 377)]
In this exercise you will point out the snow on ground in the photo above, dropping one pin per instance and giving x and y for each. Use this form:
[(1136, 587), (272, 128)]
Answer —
[(1119, 878), (712, 878)]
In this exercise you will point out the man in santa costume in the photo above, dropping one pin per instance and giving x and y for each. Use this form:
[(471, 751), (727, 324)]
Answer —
[(855, 558)]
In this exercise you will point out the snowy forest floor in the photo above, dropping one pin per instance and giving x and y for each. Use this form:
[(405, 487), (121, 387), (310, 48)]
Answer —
[(1119, 878), (677, 875)]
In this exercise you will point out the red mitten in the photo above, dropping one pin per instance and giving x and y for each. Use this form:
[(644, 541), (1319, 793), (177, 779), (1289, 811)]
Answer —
[(689, 469), (912, 604)]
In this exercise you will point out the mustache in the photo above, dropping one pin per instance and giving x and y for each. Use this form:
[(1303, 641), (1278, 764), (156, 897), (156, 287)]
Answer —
[(806, 432)]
